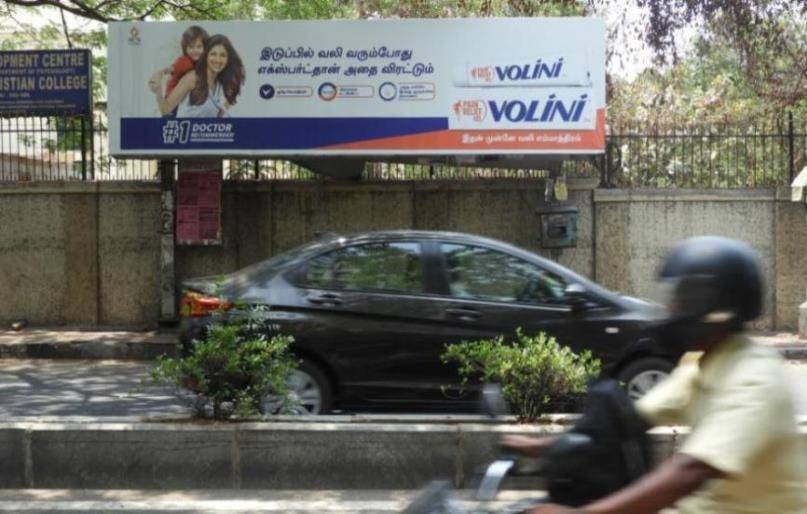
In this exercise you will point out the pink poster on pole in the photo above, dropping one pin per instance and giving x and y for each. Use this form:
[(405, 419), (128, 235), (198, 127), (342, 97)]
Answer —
[(199, 203)]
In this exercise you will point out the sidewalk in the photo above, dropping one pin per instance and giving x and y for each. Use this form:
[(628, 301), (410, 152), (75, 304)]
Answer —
[(264, 501), (71, 343)]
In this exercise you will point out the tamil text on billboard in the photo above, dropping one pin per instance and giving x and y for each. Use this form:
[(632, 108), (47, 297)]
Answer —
[(45, 82), (378, 87)]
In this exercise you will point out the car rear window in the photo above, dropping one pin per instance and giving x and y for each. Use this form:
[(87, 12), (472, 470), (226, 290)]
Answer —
[(390, 266)]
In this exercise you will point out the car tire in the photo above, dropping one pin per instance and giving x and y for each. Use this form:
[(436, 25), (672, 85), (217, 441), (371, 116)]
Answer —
[(642, 374), (310, 391)]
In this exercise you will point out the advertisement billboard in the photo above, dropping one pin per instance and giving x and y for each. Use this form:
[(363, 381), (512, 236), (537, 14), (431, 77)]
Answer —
[(368, 87), (45, 82)]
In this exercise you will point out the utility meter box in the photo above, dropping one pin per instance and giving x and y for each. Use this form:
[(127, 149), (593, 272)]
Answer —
[(559, 227)]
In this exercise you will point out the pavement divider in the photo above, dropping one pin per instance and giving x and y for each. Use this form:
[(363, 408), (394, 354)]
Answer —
[(270, 455)]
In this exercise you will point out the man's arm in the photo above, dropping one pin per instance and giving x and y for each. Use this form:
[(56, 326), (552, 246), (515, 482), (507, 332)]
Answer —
[(677, 477), (526, 445)]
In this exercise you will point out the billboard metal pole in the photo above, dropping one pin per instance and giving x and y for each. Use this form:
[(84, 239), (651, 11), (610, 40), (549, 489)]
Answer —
[(83, 149), (168, 313), (790, 151), (91, 120)]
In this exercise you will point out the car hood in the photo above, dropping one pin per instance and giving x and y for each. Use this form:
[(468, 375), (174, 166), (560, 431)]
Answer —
[(652, 311)]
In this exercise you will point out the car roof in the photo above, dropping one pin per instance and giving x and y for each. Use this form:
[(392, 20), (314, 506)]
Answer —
[(417, 234)]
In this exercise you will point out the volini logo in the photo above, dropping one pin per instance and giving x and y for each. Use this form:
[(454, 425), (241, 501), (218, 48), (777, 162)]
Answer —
[(474, 109), (483, 73)]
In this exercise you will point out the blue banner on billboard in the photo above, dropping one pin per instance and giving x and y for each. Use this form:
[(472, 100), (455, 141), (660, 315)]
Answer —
[(45, 82)]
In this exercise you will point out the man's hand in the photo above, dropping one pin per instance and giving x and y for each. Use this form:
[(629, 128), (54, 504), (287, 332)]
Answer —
[(525, 445), (554, 508)]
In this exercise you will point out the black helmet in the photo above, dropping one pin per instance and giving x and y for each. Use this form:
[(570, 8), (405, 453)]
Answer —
[(714, 285)]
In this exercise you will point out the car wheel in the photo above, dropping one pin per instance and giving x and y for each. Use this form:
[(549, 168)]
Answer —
[(643, 374), (310, 392)]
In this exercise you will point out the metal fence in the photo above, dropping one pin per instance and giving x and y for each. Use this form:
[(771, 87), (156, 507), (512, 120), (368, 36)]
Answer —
[(761, 154), (751, 155)]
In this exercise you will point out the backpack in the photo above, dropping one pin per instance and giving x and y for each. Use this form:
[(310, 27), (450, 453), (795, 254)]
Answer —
[(607, 449)]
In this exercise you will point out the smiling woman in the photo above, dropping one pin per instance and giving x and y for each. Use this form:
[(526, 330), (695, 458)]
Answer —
[(212, 87)]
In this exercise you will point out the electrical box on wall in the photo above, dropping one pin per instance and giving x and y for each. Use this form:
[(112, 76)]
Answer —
[(559, 227), (798, 189)]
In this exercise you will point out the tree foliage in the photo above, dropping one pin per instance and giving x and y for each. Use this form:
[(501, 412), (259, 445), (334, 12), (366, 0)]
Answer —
[(750, 56), (749, 59), (58, 34), (715, 84)]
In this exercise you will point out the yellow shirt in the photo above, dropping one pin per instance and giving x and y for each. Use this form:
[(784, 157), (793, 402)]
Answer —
[(739, 407)]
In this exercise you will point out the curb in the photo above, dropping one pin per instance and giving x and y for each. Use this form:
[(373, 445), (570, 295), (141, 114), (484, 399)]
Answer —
[(41, 344), (88, 350), (274, 455), (264, 456), (795, 353)]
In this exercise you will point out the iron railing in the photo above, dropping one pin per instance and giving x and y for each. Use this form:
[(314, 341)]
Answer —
[(761, 154)]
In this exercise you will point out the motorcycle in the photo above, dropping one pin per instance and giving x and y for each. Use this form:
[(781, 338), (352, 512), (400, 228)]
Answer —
[(605, 450)]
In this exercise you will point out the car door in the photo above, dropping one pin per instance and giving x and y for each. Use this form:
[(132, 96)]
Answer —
[(489, 292), (367, 309)]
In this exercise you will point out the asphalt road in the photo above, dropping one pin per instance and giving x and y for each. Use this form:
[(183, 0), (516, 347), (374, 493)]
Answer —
[(56, 388), (77, 388)]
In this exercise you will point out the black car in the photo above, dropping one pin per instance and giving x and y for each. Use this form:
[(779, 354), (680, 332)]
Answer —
[(371, 313)]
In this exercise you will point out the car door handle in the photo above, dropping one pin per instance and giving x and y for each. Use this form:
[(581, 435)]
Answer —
[(325, 299), (464, 314)]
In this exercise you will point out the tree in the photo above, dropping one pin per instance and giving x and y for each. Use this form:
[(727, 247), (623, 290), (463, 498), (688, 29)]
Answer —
[(765, 40), (748, 54), (60, 27)]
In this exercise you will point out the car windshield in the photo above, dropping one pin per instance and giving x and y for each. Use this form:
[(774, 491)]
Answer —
[(234, 283), (280, 260)]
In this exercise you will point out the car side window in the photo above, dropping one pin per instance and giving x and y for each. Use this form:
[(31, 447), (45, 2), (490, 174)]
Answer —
[(396, 267), (480, 273)]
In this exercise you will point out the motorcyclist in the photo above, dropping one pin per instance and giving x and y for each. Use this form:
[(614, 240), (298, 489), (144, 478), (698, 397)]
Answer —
[(743, 453)]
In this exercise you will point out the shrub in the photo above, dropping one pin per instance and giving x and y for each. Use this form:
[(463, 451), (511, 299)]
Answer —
[(535, 372), (232, 369)]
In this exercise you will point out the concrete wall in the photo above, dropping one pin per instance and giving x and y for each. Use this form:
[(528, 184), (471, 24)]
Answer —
[(88, 253), (266, 218), (634, 228), (79, 253)]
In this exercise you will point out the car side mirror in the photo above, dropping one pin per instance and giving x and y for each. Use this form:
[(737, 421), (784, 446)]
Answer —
[(576, 296)]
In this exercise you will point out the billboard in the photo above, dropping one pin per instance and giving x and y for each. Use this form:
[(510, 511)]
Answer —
[(45, 82), (368, 87)]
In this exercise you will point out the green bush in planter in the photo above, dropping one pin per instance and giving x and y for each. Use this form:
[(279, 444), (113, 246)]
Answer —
[(231, 370), (537, 375)]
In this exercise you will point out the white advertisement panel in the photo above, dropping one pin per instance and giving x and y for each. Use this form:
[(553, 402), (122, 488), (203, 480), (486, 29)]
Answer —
[(368, 87)]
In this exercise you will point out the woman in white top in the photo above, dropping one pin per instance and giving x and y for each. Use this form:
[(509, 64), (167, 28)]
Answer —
[(210, 89)]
